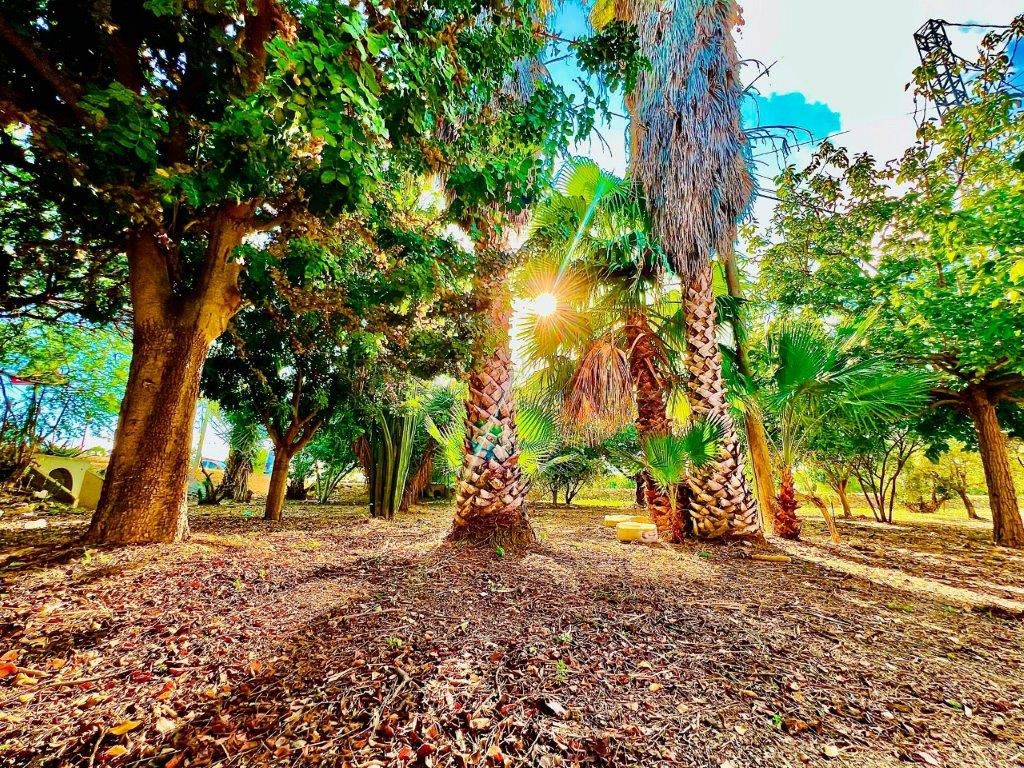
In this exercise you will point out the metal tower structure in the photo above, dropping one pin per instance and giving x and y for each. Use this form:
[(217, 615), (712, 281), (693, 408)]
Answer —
[(937, 52)]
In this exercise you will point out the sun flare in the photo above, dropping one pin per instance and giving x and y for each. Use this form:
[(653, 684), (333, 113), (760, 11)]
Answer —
[(545, 304)]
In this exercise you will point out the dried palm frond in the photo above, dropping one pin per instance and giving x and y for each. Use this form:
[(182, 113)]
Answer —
[(600, 393), (688, 141)]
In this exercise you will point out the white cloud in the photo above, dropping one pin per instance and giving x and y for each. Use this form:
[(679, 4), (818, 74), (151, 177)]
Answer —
[(857, 57)]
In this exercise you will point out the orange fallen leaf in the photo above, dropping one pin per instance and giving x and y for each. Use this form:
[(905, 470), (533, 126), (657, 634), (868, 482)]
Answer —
[(115, 751), (6, 668), (122, 728)]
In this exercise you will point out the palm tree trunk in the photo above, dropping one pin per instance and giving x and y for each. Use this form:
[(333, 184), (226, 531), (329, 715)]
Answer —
[(490, 503), (651, 412), (787, 524), (720, 503)]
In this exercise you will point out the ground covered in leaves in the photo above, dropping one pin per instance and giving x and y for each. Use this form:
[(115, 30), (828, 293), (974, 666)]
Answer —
[(331, 639)]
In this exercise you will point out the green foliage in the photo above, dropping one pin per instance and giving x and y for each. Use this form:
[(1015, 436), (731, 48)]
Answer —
[(818, 379), (613, 52), (931, 243), (77, 374), (568, 469)]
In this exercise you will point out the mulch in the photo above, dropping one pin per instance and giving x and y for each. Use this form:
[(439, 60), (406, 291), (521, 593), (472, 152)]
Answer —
[(331, 639)]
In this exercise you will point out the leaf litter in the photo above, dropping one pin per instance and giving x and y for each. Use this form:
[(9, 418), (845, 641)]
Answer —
[(333, 640)]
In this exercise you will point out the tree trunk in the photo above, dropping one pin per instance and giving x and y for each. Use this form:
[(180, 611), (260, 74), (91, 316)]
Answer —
[(757, 437), (720, 502), (144, 497), (420, 479), (490, 504), (1007, 527), (972, 513), (645, 361), (844, 499), (278, 484), (490, 500), (787, 525)]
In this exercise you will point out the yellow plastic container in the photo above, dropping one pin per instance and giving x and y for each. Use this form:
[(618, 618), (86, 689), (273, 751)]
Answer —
[(610, 521), (640, 519), (630, 531)]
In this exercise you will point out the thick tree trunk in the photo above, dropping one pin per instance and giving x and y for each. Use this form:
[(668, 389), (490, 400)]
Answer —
[(720, 503), (490, 504), (1007, 527), (972, 513), (490, 500), (278, 484), (645, 362), (786, 523), (144, 498), (640, 499)]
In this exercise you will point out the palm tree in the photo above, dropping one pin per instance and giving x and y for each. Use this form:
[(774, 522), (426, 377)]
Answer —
[(688, 153), (490, 502), (818, 379), (670, 458), (591, 253)]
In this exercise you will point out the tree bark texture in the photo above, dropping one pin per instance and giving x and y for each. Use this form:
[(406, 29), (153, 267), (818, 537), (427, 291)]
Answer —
[(490, 498), (490, 503), (1007, 527), (786, 524), (144, 497), (721, 503), (418, 480)]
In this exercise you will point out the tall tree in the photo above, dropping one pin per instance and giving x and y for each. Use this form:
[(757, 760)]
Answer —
[(312, 344), (200, 124), (688, 152), (490, 503)]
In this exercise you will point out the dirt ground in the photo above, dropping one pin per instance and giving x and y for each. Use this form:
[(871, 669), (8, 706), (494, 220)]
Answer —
[(330, 639)]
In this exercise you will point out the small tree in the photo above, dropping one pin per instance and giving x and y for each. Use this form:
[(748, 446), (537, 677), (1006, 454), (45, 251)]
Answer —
[(820, 380), (878, 463), (672, 459), (568, 470)]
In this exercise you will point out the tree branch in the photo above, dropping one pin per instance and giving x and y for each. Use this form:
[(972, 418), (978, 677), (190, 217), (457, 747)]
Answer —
[(67, 90)]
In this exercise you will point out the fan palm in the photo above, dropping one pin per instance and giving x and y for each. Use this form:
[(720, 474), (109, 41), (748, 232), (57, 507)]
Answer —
[(819, 378), (688, 153), (599, 350), (670, 458)]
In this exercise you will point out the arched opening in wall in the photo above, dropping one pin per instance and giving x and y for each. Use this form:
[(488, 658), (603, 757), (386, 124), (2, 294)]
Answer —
[(62, 476)]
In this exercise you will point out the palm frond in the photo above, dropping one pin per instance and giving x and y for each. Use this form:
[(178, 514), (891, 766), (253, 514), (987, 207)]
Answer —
[(670, 457), (600, 393)]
